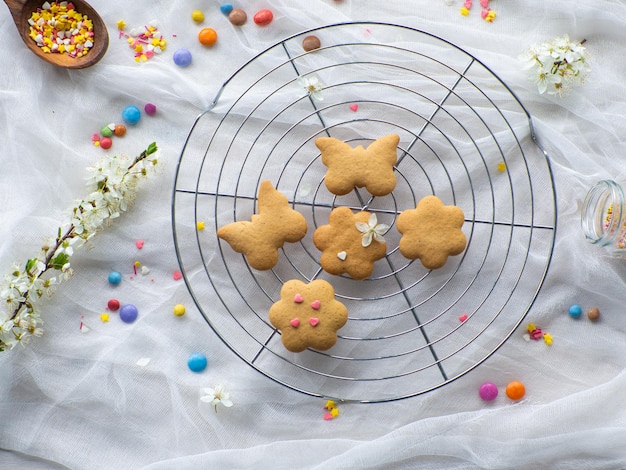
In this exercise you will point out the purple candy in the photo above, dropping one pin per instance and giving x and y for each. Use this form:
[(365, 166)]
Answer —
[(488, 391), (128, 313), (150, 109), (182, 57)]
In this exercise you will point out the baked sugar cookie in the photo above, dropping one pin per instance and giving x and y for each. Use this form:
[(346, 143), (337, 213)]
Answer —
[(275, 224), (370, 167), (350, 243), (308, 315), (431, 232)]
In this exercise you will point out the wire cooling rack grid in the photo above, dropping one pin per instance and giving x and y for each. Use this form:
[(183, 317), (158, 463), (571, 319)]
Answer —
[(457, 122)]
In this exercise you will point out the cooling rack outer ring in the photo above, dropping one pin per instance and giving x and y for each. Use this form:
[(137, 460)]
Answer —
[(465, 137)]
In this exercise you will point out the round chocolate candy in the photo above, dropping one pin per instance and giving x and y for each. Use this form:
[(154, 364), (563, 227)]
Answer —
[(150, 109), (207, 36), (593, 313), (197, 362), (106, 143), (115, 278), (197, 16), (106, 131), (488, 391), (226, 8), (120, 130), (179, 310), (131, 115), (263, 17), (311, 43), (182, 57), (237, 17), (575, 311), (128, 313), (515, 390)]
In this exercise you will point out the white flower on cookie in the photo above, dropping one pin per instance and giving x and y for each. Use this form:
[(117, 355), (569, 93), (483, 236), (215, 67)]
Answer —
[(372, 230)]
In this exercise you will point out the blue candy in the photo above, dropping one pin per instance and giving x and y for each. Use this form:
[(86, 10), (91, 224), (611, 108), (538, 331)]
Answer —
[(115, 278), (131, 115), (182, 57), (197, 362), (575, 311), (128, 313), (226, 8)]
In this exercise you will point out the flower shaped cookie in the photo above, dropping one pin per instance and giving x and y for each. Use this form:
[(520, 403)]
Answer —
[(431, 232), (350, 243), (307, 315)]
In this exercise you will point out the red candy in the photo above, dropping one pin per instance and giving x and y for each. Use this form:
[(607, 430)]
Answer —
[(263, 17), (106, 143), (113, 304)]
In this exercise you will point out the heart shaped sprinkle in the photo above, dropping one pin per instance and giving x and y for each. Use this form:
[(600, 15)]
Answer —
[(315, 305), (314, 321), (139, 244), (342, 255), (298, 299), (354, 107), (295, 322)]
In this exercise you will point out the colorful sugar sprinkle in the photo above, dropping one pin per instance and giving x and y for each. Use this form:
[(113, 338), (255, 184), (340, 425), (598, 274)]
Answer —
[(58, 28), (145, 43)]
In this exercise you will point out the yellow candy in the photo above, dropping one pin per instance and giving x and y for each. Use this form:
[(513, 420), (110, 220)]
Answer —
[(179, 310), (200, 226), (501, 167), (121, 25), (197, 16), (104, 317)]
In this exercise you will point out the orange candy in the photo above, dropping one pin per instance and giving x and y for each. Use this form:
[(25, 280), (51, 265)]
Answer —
[(207, 36), (120, 130), (515, 390)]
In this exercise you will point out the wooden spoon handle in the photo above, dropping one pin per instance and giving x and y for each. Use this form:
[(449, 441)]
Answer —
[(15, 6)]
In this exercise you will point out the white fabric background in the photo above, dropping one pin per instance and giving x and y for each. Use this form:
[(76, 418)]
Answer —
[(80, 401)]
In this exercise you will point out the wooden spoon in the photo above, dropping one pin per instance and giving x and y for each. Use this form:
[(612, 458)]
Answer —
[(21, 10)]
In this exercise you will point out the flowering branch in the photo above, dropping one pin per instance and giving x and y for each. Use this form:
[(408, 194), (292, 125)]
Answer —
[(558, 65), (112, 185)]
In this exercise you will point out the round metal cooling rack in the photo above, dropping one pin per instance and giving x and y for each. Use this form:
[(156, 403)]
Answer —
[(464, 137)]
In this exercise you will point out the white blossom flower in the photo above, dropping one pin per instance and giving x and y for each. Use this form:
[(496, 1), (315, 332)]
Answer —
[(6, 327), (557, 66), (313, 87), (112, 183), (372, 229), (216, 395)]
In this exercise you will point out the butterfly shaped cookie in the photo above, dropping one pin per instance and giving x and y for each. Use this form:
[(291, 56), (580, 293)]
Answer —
[(260, 238), (349, 167)]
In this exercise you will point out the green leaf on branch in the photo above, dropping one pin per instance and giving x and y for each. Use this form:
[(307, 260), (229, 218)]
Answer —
[(59, 261), (30, 264)]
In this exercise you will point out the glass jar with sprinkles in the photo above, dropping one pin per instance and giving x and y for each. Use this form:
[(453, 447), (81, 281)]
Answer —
[(603, 217)]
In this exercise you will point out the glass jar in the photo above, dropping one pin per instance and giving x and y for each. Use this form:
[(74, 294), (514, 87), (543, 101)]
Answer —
[(603, 217)]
